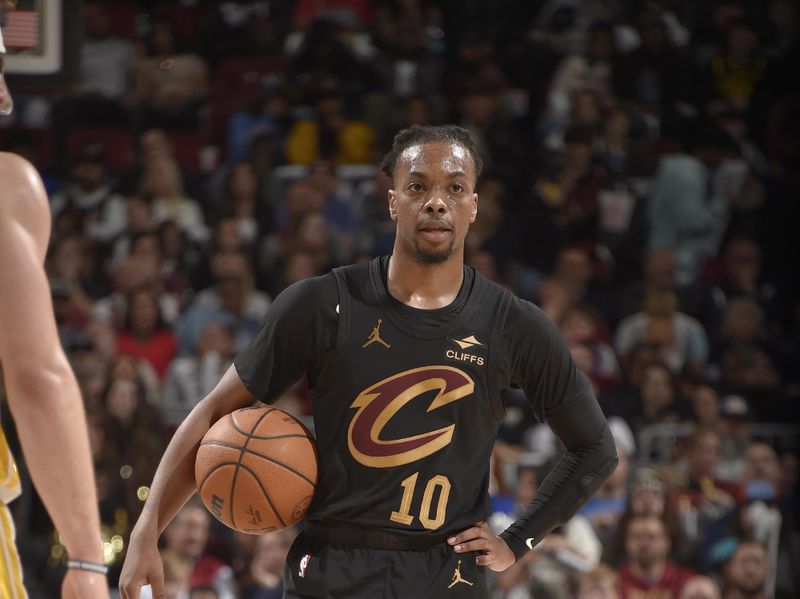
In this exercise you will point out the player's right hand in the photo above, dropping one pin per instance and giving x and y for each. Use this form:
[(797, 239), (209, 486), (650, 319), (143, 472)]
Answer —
[(142, 566)]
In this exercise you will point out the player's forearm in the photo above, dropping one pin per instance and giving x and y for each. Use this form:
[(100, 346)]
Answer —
[(51, 422), (173, 483), (576, 477)]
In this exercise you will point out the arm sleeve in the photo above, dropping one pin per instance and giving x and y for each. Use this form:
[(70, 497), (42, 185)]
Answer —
[(540, 363), (299, 327)]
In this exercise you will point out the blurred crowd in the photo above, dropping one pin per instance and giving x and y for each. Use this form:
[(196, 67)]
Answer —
[(641, 186)]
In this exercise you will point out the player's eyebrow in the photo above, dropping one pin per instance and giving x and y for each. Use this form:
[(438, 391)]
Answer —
[(422, 175)]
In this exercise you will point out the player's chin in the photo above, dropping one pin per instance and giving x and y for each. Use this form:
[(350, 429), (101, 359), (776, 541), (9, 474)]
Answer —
[(428, 253), (429, 256)]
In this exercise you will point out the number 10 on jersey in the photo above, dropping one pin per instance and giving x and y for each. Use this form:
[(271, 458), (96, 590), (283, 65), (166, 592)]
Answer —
[(403, 515)]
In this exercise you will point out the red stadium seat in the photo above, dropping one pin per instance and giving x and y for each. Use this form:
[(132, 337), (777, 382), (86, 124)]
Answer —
[(122, 18), (239, 84), (187, 22), (186, 147)]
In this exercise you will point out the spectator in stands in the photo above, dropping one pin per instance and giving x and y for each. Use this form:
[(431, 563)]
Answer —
[(575, 273), (89, 200), (145, 334), (648, 497), (170, 83), (176, 577), (680, 339), (69, 269), (684, 216), (337, 209), (553, 570), (600, 583), (178, 260), (599, 361), (324, 54), (563, 211), (661, 276), (232, 294), (700, 587), (654, 76), (106, 61), (577, 73), (742, 274), (190, 378), (331, 134), (739, 73), (648, 568), (265, 574), (245, 203), (745, 573), (185, 541), (161, 179), (140, 220), (735, 429), (705, 406), (704, 503), (137, 434), (658, 401), (762, 472)]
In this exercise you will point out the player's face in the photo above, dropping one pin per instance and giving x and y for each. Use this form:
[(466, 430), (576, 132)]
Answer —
[(433, 200), (6, 103)]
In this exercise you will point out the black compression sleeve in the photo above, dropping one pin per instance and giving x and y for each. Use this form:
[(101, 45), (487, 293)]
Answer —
[(577, 476), (540, 363)]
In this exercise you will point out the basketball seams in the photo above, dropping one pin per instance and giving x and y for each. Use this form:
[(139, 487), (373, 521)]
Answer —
[(236, 427), (241, 455), (265, 457), (229, 441), (264, 491), (255, 477)]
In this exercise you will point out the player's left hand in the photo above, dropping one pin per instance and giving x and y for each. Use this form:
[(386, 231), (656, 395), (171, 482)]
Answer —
[(496, 555)]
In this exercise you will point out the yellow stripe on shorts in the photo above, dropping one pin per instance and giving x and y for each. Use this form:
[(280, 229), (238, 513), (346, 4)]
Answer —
[(10, 569)]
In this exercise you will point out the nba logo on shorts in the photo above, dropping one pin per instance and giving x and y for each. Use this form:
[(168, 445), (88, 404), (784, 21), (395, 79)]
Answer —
[(304, 565)]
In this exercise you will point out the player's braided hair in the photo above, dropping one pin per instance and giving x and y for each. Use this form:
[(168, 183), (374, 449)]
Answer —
[(419, 134)]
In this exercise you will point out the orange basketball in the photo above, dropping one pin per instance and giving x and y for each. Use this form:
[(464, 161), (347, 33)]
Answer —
[(256, 470)]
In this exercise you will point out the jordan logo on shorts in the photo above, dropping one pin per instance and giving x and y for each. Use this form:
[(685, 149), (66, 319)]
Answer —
[(457, 577), (375, 336)]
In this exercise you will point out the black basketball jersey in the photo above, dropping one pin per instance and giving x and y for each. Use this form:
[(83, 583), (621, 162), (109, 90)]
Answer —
[(415, 407), (407, 404)]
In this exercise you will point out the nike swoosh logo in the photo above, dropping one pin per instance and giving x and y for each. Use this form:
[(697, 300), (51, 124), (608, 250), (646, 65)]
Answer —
[(529, 542)]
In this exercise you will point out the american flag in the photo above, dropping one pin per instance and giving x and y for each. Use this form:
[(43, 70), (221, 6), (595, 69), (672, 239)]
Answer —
[(21, 30)]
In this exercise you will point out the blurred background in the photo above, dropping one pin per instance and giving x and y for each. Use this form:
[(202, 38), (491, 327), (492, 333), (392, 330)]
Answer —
[(641, 186)]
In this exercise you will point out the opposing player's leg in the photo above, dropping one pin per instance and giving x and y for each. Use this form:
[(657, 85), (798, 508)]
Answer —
[(10, 570)]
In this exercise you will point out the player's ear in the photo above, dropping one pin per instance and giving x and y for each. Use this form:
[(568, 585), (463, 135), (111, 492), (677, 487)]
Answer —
[(392, 205), (474, 214)]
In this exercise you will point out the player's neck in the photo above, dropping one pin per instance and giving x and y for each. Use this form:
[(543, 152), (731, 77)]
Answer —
[(424, 286)]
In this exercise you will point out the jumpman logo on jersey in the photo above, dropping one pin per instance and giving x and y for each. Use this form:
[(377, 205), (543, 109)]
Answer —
[(457, 577), (375, 336)]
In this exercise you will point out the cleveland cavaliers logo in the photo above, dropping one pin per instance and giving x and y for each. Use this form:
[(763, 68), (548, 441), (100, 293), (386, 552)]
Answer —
[(378, 404)]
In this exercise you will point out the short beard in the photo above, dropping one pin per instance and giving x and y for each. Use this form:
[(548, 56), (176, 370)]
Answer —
[(430, 258)]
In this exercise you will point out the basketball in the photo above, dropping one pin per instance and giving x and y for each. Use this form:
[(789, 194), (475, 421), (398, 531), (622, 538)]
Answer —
[(256, 470)]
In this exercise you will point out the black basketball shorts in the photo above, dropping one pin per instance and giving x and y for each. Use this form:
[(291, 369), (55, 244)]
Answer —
[(317, 569)]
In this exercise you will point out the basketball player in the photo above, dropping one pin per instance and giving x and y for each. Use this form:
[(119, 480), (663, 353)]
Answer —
[(41, 390), (407, 357)]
